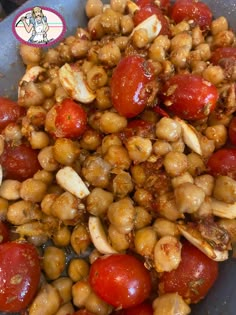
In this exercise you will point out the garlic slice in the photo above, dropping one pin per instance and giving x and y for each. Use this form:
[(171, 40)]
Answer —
[(132, 6), (152, 25), (223, 209), (190, 136), (73, 81), (99, 237), (30, 75), (194, 237), (68, 179)]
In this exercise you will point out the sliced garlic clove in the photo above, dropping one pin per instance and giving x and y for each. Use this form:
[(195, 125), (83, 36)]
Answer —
[(132, 7), (99, 237), (73, 81), (194, 237), (152, 25), (30, 75), (223, 209), (190, 136), (69, 180)]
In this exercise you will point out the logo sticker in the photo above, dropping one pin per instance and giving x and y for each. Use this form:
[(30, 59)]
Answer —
[(39, 26)]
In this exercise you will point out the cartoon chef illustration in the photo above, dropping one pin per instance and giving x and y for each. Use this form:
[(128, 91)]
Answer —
[(37, 23)]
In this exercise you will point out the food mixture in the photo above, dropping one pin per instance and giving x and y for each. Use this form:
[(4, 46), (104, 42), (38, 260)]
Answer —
[(118, 164)]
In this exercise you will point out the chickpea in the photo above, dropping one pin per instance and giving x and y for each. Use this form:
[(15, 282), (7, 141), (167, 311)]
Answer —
[(168, 129), (126, 24), (142, 218), (217, 133), (118, 5), (80, 239), (44, 176), (110, 140), (119, 241), (184, 178), (33, 190), (66, 309), (103, 98), (112, 122), (80, 47), (223, 39), (39, 140), (139, 149), (195, 164), (46, 203), (140, 38), (90, 140), (165, 227), (30, 55), (80, 293), (12, 132), (183, 39), (61, 237), (122, 184), (78, 269), (110, 21), (121, 214), (161, 147), (206, 183), (188, 197), (144, 241), (218, 25), (163, 304), (54, 261), (10, 189), (175, 163), (65, 151), (65, 207), (225, 189), (96, 305), (179, 27), (46, 302), (142, 197), (93, 8), (98, 201), (96, 171), (118, 156), (109, 54), (168, 208), (96, 77), (47, 160), (197, 36), (22, 212), (64, 287)]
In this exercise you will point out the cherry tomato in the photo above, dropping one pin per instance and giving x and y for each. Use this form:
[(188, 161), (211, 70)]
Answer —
[(194, 276), (19, 162), (4, 232), (148, 10), (223, 53), (189, 96), (129, 83), (223, 162), (66, 120), (10, 112), (232, 131), (141, 309), (197, 11), (19, 275), (120, 279), (163, 4)]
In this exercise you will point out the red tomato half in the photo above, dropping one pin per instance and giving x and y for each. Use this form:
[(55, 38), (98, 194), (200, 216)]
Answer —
[(223, 53), (128, 85), (141, 309), (66, 120), (163, 4), (148, 10), (121, 280), (4, 232), (19, 162), (189, 96), (197, 11), (19, 275), (223, 162), (10, 112), (194, 276)]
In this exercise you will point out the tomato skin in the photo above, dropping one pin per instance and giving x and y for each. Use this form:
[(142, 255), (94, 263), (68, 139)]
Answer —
[(141, 309), (19, 162), (148, 10), (66, 120), (18, 261), (83, 312), (223, 53), (189, 96), (120, 279), (4, 232), (194, 276), (223, 162), (163, 4), (232, 131), (10, 112), (138, 127), (128, 82), (197, 11)]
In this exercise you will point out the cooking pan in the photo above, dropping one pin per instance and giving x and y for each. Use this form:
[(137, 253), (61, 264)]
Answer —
[(222, 298)]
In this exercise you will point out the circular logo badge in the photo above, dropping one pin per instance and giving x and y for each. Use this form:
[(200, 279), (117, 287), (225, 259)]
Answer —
[(39, 26)]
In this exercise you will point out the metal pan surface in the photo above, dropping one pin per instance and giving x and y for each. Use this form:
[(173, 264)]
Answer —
[(222, 298)]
